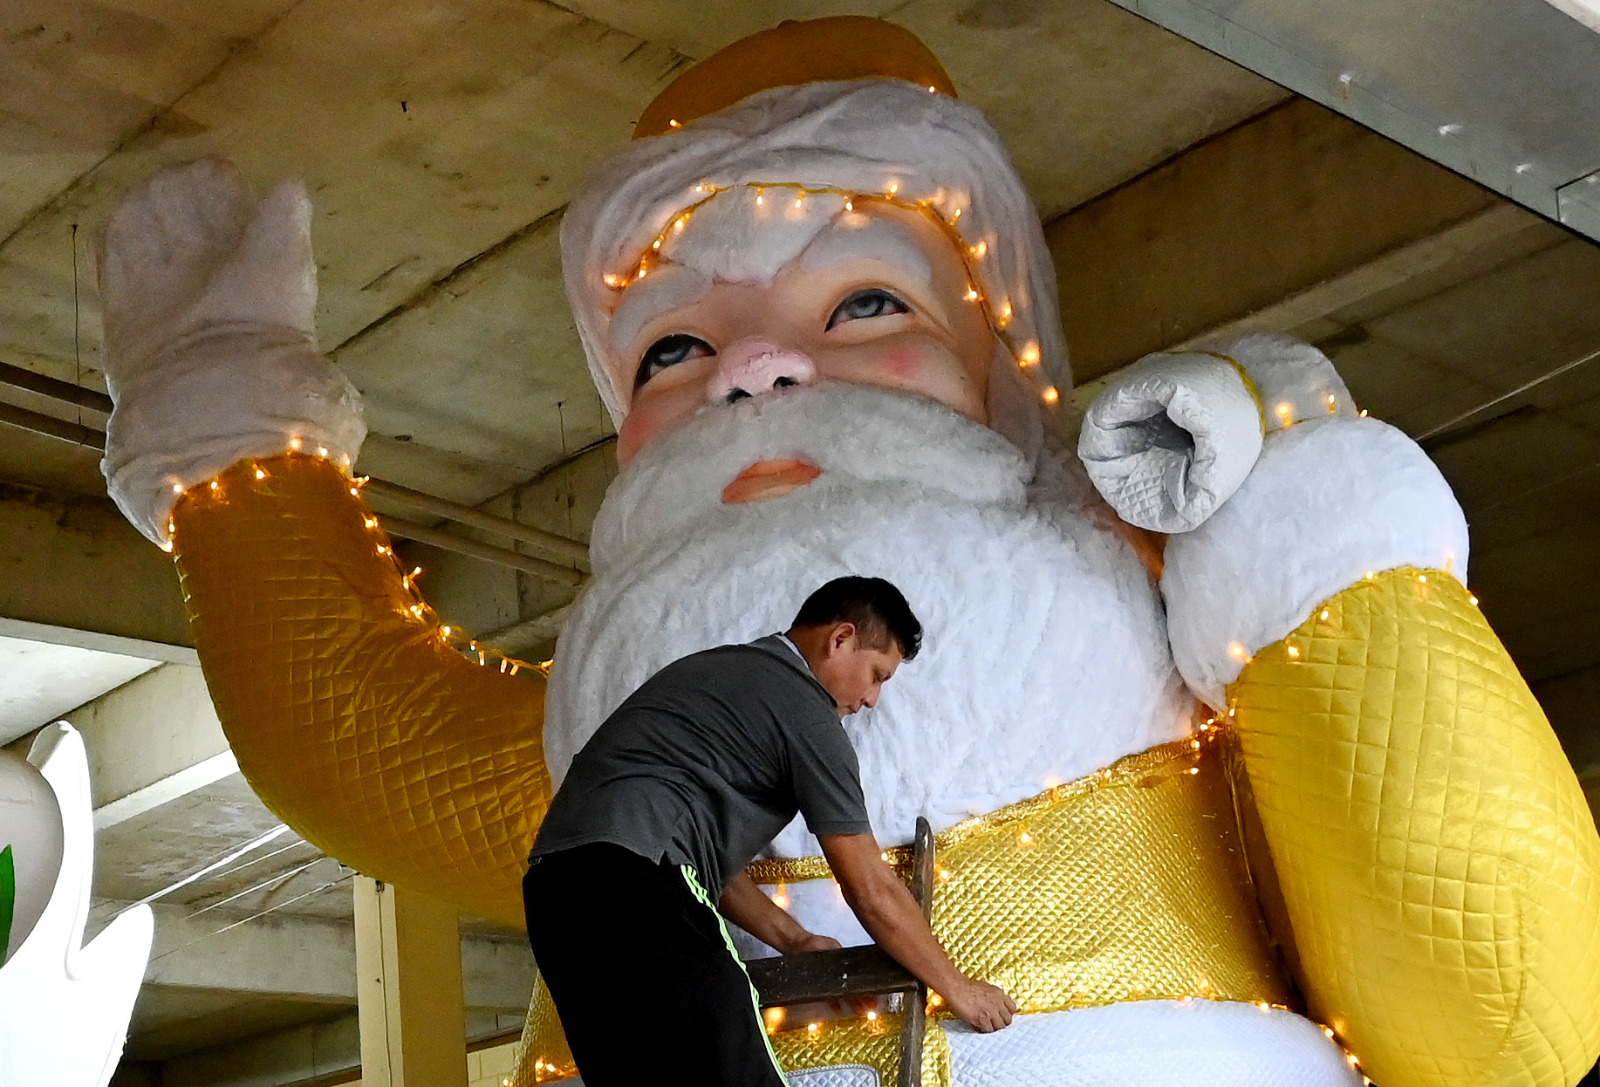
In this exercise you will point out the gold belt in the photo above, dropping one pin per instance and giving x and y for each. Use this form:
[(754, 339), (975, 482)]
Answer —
[(1128, 884)]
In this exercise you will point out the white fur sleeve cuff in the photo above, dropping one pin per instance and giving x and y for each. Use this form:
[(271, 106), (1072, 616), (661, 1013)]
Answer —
[(1329, 501), (220, 397), (1171, 439)]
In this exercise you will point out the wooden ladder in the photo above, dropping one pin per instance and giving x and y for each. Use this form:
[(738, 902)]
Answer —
[(860, 971)]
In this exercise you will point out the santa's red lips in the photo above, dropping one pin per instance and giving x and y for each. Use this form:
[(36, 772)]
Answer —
[(768, 479)]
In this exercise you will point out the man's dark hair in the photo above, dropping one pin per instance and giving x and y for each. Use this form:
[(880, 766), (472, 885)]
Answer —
[(874, 605)]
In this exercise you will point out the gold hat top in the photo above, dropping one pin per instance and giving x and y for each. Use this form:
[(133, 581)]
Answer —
[(790, 54)]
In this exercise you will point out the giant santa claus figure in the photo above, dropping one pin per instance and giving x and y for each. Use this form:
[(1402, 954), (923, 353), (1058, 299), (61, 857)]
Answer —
[(1243, 813)]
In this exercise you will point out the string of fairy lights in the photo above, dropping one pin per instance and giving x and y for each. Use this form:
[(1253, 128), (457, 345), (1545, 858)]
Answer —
[(999, 314), (941, 208), (415, 609)]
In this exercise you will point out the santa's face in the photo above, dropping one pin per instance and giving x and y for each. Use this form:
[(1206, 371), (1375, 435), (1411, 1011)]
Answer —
[(880, 297)]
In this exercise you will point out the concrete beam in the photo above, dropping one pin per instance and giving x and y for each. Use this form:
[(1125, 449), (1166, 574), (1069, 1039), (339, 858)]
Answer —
[(72, 562), (305, 958), (151, 741), (324, 1052), (1268, 211)]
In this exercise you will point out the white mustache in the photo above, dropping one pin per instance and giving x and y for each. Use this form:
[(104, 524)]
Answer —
[(864, 433)]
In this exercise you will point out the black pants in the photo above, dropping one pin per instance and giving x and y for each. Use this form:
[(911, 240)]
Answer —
[(638, 962)]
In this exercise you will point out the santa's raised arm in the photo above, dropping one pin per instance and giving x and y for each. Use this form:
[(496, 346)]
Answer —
[(816, 299)]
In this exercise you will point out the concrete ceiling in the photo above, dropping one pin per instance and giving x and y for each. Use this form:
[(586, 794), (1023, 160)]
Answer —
[(1184, 198)]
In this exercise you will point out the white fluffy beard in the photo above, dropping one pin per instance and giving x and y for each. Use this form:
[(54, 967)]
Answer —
[(1045, 655)]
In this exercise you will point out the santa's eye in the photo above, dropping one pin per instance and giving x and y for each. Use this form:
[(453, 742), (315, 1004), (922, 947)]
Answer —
[(869, 302), (669, 351)]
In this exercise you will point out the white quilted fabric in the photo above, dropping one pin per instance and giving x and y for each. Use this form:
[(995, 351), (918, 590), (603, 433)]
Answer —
[(1152, 1043), (839, 1075)]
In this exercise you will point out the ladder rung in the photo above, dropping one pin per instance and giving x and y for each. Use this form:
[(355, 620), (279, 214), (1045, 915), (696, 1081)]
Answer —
[(827, 975)]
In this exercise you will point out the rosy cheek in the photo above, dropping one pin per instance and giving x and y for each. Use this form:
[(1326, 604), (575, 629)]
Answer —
[(903, 362), (642, 423)]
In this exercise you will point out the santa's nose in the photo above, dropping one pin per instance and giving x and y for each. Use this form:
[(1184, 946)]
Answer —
[(752, 366)]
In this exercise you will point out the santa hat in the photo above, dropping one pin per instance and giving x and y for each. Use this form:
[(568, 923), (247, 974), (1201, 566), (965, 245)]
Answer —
[(835, 110)]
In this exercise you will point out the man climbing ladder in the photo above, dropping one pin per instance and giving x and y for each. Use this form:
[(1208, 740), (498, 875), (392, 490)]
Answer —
[(666, 804)]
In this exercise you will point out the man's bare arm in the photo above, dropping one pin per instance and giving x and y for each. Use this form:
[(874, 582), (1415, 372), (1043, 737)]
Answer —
[(745, 905), (893, 918)]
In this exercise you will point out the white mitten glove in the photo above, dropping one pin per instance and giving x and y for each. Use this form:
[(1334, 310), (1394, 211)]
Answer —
[(209, 300), (1171, 439)]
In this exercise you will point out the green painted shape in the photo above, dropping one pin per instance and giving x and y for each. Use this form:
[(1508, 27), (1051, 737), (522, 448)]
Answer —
[(8, 899)]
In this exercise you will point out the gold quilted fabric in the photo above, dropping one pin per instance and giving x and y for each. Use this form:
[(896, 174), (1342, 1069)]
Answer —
[(829, 1044), (1129, 884), (352, 715), (1439, 866)]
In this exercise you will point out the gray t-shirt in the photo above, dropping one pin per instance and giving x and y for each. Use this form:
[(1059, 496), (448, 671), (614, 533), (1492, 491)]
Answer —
[(708, 760)]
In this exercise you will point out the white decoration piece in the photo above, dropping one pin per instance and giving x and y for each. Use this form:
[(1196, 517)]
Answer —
[(1171, 439), (1330, 500), (64, 1006), (30, 827), (209, 302)]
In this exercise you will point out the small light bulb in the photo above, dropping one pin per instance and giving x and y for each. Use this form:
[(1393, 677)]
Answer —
[(1051, 395), (214, 485), (979, 250), (761, 197), (1473, 600), (972, 294), (445, 630), (673, 122), (813, 1027), (1030, 351), (177, 488), (614, 281), (322, 451), (849, 205), (260, 474), (294, 443), (1294, 652), (932, 89), (1324, 615), (872, 1015), (894, 187)]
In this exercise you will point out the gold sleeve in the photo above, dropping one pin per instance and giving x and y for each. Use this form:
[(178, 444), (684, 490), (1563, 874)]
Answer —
[(350, 711), (1439, 866)]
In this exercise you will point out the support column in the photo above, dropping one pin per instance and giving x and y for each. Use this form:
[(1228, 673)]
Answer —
[(408, 969)]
